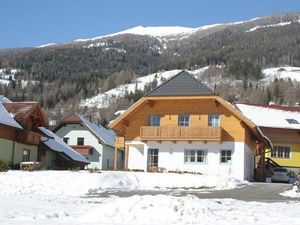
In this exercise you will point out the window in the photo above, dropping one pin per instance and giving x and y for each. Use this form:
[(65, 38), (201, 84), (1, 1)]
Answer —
[(214, 120), (195, 156), (80, 141), (183, 120), (66, 140), (281, 152), (154, 120), (152, 158), (26, 155), (226, 156), (292, 121)]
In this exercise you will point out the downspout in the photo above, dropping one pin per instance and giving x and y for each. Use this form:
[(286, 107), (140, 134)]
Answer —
[(264, 137), (13, 149)]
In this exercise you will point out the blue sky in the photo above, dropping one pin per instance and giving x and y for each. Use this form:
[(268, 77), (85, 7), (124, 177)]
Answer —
[(36, 22)]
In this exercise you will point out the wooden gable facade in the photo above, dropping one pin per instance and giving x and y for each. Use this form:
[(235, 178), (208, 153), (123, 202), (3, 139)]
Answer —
[(30, 116)]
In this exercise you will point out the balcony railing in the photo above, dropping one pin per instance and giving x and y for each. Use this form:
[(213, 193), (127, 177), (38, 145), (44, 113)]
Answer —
[(181, 133)]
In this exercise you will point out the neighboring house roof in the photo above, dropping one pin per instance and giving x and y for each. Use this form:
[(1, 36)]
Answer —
[(23, 110), (104, 135), (272, 116), (182, 84), (3, 99), (55, 143), (121, 109), (7, 119)]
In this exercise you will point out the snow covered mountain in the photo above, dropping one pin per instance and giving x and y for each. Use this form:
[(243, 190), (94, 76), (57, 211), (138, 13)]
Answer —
[(178, 32)]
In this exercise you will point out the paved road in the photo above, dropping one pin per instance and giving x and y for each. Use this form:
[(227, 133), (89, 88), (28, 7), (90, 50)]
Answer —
[(261, 192)]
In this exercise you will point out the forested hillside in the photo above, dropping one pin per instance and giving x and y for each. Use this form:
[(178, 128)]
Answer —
[(64, 74)]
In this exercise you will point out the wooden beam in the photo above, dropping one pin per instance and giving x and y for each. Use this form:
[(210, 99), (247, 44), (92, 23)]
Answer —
[(150, 103), (126, 156), (116, 159), (126, 123), (215, 102)]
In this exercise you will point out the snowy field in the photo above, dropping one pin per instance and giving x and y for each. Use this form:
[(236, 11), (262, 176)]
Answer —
[(59, 197), (285, 72)]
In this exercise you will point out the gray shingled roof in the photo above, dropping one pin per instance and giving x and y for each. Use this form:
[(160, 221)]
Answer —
[(3, 99), (7, 119), (182, 84), (107, 136), (121, 109), (56, 144)]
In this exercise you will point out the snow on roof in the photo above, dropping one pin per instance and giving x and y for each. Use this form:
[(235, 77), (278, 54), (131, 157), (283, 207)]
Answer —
[(105, 135), (3, 99), (272, 116), (7, 119), (56, 144)]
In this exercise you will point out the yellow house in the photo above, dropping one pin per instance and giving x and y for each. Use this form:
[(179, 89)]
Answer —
[(183, 125), (281, 124)]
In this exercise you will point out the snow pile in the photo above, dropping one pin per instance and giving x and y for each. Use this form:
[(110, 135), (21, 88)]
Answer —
[(103, 100), (294, 193), (163, 209), (67, 183), (286, 72)]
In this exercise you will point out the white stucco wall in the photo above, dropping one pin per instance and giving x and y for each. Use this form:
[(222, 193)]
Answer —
[(171, 157), (249, 163), (101, 154)]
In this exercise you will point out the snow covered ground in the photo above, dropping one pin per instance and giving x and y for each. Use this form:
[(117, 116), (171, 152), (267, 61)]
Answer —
[(284, 72), (57, 197)]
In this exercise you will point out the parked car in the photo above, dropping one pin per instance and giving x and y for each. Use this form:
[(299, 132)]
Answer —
[(280, 175)]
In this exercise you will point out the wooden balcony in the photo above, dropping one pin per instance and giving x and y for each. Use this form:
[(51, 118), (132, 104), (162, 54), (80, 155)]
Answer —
[(83, 149), (120, 142), (181, 133)]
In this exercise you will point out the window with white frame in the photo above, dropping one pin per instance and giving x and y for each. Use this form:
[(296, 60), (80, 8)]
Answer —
[(283, 152), (183, 120), (214, 120), (225, 156), (80, 141), (195, 156), (26, 155), (154, 120)]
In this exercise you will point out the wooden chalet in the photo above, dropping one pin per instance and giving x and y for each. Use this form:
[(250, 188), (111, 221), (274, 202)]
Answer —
[(183, 125)]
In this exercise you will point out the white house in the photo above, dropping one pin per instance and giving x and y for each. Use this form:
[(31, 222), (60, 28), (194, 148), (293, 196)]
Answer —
[(93, 141)]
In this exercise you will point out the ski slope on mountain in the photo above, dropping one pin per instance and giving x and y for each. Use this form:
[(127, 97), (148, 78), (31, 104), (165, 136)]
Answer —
[(103, 100)]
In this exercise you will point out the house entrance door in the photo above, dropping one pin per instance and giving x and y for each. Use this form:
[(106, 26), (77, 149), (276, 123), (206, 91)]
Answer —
[(152, 162)]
